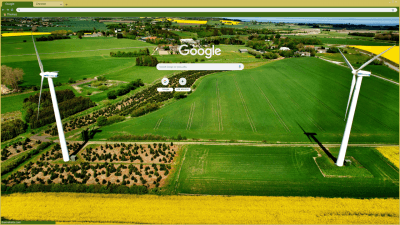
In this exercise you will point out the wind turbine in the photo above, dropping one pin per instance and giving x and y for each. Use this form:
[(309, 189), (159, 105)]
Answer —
[(50, 76), (353, 97)]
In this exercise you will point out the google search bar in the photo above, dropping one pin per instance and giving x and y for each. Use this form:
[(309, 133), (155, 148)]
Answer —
[(200, 66), (186, 10)]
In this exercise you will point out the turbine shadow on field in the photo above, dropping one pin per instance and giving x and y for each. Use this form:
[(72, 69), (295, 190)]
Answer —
[(311, 137)]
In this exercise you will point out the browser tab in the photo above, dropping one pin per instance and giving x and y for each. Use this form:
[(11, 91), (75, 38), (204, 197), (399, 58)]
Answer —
[(48, 4)]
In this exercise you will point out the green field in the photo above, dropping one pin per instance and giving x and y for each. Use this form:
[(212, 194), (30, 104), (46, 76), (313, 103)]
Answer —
[(280, 171), (185, 34), (77, 59), (357, 60), (274, 102), (345, 40)]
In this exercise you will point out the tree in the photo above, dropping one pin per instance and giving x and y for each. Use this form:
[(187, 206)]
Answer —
[(11, 77), (111, 95)]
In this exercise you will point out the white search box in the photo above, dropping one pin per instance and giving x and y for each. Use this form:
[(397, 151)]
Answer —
[(67, 10), (200, 66)]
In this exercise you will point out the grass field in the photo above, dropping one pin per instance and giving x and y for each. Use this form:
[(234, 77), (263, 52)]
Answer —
[(185, 34), (118, 208), (345, 41), (274, 102), (283, 171), (357, 60), (77, 59)]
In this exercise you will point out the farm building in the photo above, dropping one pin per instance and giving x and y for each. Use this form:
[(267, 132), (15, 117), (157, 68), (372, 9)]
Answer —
[(303, 53), (190, 41), (243, 50), (145, 38), (163, 52)]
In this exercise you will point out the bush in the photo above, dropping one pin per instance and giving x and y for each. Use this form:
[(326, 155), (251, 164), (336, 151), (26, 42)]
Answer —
[(149, 107), (101, 121), (101, 78), (115, 119), (333, 50), (123, 90), (111, 95), (103, 88), (71, 81), (89, 93), (179, 95), (120, 36), (12, 129)]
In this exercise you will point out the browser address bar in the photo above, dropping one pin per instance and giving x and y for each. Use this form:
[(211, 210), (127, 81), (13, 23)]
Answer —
[(186, 10)]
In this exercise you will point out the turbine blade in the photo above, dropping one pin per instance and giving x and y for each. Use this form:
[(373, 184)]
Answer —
[(371, 60), (40, 95), (353, 83), (347, 61), (37, 55)]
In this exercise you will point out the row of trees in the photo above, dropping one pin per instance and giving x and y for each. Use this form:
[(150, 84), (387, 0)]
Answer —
[(12, 128), (52, 37), (125, 89), (103, 121), (149, 107), (22, 158), (146, 60), (130, 54), (68, 105)]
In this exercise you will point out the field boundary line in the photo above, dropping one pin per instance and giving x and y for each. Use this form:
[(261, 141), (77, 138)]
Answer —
[(253, 127), (272, 107), (219, 111), (180, 168), (158, 123), (190, 119), (385, 175)]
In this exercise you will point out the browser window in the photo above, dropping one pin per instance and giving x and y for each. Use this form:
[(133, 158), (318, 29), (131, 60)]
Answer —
[(214, 113)]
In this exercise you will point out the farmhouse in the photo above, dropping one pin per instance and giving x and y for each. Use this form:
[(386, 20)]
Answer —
[(303, 53), (146, 38), (243, 50), (190, 41)]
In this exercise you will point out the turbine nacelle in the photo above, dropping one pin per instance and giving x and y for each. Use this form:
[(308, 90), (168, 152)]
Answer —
[(49, 74), (361, 73)]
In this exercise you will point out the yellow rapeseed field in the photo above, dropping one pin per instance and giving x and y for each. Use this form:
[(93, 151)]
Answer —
[(23, 34), (121, 208), (391, 153), (392, 54), (230, 22), (188, 21)]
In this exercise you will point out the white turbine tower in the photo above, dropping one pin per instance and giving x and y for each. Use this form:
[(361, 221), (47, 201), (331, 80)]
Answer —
[(353, 97), (50, 76)]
